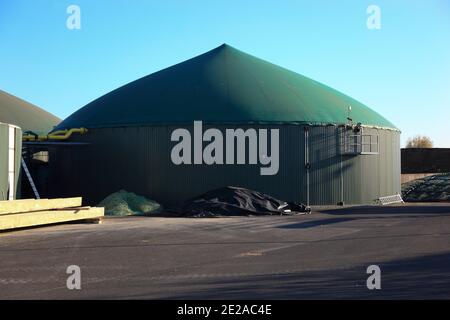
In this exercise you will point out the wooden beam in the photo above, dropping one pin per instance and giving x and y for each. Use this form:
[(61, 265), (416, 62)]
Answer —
[(28, 205), (29, 219)]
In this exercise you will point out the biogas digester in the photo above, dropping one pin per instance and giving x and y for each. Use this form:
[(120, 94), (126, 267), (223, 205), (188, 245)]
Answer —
[(317, 145)]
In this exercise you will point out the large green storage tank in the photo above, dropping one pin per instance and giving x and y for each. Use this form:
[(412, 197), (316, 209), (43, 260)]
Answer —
[(10, 158), (332, 148)]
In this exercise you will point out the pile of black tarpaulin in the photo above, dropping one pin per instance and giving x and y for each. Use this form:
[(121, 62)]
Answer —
[(235, 201)]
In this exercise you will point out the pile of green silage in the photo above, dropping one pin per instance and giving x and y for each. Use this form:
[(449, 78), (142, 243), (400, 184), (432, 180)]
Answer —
[(123, 203), (431, 188)]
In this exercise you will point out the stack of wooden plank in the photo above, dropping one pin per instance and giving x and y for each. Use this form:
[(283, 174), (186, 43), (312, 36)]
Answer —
[(28, 213)]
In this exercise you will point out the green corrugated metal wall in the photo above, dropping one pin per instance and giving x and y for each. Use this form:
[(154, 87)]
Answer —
[(137, 159), (4, 138)]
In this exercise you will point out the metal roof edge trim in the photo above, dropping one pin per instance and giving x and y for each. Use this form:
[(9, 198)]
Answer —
[(162, 124)]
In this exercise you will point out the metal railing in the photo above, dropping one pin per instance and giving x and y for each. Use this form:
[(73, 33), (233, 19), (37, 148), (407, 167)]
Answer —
[(359, 144), (396, 198)]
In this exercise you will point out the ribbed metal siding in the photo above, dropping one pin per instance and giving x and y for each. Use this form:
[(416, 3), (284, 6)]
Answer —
[(137, 159), (370, 171), (325, 165), (373, 176)]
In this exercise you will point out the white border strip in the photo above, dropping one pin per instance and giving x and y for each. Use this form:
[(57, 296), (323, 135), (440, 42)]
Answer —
[(11, 161)]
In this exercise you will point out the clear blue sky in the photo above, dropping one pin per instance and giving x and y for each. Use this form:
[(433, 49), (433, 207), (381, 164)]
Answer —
[(402, 70)]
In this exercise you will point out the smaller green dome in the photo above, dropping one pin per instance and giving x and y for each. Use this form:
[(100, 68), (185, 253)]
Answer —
[(25, 115)]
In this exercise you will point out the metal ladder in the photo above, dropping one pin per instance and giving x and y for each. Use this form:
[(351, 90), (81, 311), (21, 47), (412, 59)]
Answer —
[(30, 179)]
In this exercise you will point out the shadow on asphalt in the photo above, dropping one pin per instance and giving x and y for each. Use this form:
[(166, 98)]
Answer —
[(424, 277), (315, 223), (360, 210)]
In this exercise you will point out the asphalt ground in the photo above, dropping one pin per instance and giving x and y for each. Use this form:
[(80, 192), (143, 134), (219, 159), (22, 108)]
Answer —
[(324, 255)]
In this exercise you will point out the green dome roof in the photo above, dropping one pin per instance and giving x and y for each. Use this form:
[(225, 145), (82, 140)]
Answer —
[(25, 115), (224, 85)]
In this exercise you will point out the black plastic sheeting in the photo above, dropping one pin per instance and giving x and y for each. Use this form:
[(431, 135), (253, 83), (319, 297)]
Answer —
[(235, 201)]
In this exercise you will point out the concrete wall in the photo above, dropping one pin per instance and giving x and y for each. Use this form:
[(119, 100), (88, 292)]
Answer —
[(425, 160), (407, 177)]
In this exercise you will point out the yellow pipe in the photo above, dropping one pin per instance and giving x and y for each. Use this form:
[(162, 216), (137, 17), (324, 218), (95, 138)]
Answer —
[(57, 135), (60, 132)]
